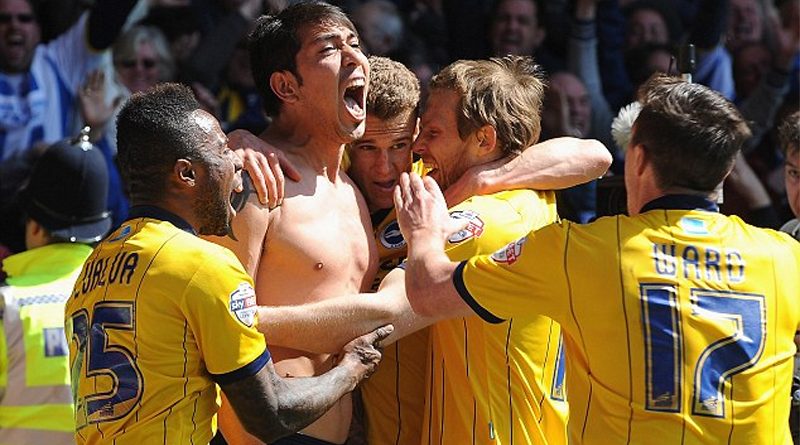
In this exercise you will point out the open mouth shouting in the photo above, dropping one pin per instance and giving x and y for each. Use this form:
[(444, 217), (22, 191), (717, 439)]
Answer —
[(355, 98)]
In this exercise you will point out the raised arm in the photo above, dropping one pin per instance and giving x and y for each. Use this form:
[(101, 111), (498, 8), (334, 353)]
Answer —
[(550, 165), (271, 407), (324, 326)]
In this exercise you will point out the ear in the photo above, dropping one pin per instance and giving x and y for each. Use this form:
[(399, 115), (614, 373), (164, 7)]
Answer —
[(639, 158), (284, 85), (184, 172), (486, 137)]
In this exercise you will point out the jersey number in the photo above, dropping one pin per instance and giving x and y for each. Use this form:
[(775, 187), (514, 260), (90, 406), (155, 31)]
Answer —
[(107, 362), (741, 313)]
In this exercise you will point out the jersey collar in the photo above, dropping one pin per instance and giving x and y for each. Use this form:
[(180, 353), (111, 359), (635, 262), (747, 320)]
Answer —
[(146, 211), (681, 202)]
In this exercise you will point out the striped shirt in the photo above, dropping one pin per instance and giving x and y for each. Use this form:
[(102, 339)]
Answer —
[(678, 323), (496, 383), (156, 318), (39, 105)]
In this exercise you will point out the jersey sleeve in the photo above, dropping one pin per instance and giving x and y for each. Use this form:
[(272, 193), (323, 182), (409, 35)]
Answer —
[(220, 306), (524, 275)]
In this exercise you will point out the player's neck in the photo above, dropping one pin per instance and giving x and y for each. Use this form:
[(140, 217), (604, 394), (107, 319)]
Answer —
[(320, 154), (176, 206)]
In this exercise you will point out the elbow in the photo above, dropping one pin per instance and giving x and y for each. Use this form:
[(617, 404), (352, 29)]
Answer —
[(420, 303), (601, 157)]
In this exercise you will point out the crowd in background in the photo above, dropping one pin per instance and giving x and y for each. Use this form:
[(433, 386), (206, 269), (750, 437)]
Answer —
[(595, 53)]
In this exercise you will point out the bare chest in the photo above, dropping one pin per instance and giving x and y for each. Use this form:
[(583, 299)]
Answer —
[(318, 247)]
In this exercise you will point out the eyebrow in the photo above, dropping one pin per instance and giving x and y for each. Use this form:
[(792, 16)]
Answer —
[(334, 36)]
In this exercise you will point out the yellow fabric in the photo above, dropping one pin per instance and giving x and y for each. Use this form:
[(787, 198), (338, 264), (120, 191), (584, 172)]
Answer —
[(394, 397), (168, 306), (38, 417), (491, 382), (640, 371), (32, 344)]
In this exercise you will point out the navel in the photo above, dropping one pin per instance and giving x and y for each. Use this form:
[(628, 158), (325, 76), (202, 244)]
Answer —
[(319, 266)]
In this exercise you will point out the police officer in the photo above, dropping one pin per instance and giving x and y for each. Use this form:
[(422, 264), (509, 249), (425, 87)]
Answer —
[(65, 203)]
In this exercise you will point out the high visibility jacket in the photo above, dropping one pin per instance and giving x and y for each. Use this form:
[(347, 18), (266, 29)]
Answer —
[(35, 397)]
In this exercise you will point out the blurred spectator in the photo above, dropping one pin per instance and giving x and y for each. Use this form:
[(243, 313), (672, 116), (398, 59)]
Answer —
[(65, 204), (205, 55), (641, 62), (515, 28), (651, 22), (39, 84), (745, 23), (567, 111), (380, 27), (142, 59), (237, 104)]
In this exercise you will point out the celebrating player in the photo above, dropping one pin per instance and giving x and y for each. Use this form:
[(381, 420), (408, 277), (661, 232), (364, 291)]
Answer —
[(678, 321), (158, 315), (394, 396)]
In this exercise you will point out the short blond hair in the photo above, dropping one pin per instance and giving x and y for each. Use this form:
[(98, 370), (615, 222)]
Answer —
[(504, 92)]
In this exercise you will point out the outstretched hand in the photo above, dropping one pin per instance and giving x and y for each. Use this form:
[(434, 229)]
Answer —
[(422, 211), (268, 167)]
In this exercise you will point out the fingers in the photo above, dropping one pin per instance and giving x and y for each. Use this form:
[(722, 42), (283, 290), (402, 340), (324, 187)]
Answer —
[(287, 168), (257, 166), (276, 181), (433, 188), (382, 333)]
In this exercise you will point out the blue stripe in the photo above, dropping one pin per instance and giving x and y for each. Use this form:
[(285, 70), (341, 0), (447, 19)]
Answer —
[(461, 288), (245, 371)]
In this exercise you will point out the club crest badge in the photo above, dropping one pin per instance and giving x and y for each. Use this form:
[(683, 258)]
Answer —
[(390, 236), (474, 227), (243, 304), (510, 253)]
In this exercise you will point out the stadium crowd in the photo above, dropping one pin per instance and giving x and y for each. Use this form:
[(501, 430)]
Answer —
[(288, 131)]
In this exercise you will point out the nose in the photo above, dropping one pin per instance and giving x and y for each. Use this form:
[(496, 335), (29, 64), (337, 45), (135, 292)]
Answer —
[(382, 164), (419, 146)]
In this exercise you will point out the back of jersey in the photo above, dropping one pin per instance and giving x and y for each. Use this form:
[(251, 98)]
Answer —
[(690, 339)]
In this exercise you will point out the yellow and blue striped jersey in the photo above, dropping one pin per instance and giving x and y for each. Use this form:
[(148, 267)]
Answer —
[(496, 383), (156, 317), (394, 397), (678, 322)]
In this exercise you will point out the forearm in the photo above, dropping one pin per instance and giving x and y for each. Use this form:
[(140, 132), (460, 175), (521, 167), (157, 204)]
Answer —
[(323, 326), (429, 275), (270, 407), (551, 165)]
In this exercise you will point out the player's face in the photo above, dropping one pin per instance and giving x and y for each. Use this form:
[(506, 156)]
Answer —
[(19, 35), (334, 75), (792, 176), (142, 71), (439, 144), (516, 30), (219, 174), (379, 157)]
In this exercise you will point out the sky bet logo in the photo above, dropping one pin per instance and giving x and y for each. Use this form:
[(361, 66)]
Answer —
[(243, 304)]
